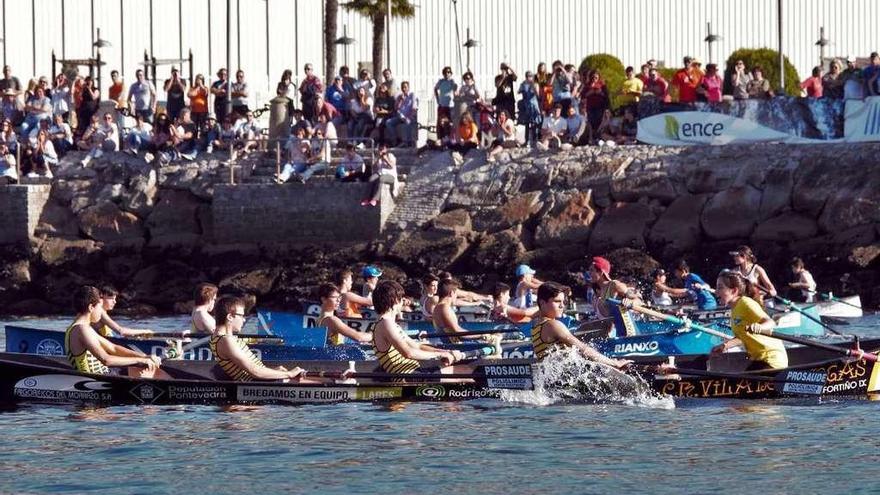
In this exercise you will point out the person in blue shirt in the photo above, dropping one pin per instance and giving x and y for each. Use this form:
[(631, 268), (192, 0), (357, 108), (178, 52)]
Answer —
[(699, 290)]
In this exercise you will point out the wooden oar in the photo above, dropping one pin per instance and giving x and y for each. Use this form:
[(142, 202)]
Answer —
[(856, 353), (671, 319), (190, 335), (431, 335)]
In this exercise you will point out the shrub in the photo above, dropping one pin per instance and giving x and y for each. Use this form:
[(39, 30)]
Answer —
[(611, 70), (769, 61)]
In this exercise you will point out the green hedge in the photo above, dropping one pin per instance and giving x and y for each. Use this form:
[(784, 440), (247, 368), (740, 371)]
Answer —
[(769, 61), (610, 68)]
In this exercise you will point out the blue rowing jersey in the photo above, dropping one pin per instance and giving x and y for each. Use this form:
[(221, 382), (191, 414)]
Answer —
[(704, 299)]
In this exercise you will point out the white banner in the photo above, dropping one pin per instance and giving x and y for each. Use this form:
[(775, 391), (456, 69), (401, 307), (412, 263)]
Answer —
[(684, 128), (862, 120)]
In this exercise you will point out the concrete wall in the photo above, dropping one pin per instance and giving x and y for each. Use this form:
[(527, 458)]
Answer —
[(20, 209), (322, 211)]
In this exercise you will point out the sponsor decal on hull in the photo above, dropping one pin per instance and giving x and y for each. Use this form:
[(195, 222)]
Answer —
[(295, 395), (62, 388)]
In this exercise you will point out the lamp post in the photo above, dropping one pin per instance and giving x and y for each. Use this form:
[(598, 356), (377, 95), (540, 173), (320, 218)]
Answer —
[(822, 43), (98, 44), (470, 43), (711, 38), (345, 41)]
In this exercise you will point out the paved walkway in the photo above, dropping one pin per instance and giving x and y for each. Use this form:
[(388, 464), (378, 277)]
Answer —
[(427, 187)]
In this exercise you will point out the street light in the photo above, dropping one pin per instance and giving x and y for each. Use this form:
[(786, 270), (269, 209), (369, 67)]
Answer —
[(345, 41), (711, 38), (822, 43), (470, 43)]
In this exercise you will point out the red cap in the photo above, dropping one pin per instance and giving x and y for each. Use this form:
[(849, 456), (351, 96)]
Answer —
[(603, 265)]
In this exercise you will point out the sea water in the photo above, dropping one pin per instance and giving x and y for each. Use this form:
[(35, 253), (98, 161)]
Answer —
[(523, 444)]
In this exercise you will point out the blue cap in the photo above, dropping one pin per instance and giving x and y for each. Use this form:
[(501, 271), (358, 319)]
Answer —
[(524, 270), (340, 171), (371, 271)]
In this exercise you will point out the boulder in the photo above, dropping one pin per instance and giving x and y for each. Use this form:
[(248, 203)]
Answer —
[(105, 222), (58, 251), (163, 284), (429, 248), (31, 307), (732, 213), (456, 222), (57, 221), (14, 275), (64, 190), (570, 220), (140, 197), (853, 205), (176, 212), (713, 175), (498, 252), (678, 228), (517, 210), (786, 227), (110, 192), (259, 281), (622, 225), (776, 193), (654, 185)]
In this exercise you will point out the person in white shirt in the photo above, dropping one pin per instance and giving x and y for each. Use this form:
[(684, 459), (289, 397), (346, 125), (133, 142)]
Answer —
[(553, 129), (804, 281), (106, 139), (574, 126), (139, 136), (61, 135), (143, 94), (386, 173), (248, 131), (505, 136), (8, 169), (37, 108), (61, 97), (43, 157)]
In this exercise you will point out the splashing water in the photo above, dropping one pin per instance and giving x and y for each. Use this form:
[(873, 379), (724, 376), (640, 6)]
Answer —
[(565, 375)]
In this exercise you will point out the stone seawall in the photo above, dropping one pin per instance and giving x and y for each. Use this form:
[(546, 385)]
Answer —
[(153, 233), (21, 207)]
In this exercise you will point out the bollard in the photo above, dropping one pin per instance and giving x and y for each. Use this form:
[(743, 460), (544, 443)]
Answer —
[(279, 117)]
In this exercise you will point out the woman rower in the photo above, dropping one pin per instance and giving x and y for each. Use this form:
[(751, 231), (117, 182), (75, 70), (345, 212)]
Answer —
[(804, 283), (337, 330), (662, 294), (502, 311), (548, 332), (429, 298), (349, 302), (201, 319), (106, 326), (396, 352), (746, 316), (89, 352), (746, 265), (443, 316), (524, 296)]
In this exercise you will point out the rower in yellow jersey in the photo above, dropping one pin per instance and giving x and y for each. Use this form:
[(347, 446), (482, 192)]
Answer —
[(395, 351), (548, 331), (89, 352), (202, 322), (747, 315), (337, 330), (443, 317), (105, 326)]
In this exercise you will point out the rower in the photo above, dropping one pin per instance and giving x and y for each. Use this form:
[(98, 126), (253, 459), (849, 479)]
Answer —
[(699, 290), (106, 326), (465, 298), (430, 283), (524, 296), (747, 315), (201, 319), (236, 359), (746, 265), (805, 282), (89, 352), (337, 330), (548, 332), (396, 352), (371, 276), (443, 317), (604, 288), (662, 294), (349, 303), (502, 311)]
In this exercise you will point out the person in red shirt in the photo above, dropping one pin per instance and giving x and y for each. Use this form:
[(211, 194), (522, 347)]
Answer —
[(813, 85), (644, 74), (687, 80), (657, 86)]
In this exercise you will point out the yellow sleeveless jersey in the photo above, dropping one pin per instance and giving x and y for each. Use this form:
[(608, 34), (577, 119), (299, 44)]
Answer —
[(233, 370), (85, 361)]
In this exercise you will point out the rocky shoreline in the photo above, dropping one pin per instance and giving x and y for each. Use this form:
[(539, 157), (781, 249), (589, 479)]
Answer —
[(149, 231)]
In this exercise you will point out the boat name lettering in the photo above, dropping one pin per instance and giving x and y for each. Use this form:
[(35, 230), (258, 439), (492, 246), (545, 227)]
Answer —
[(717, 388), (524, 369), (472, 393), (806, 376), (846, 386), (628, 347), (294, 394), (191, 392), (376, 393), (848, 371)]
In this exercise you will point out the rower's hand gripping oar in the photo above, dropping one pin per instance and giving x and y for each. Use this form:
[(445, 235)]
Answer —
[(855, 352), (671, 319)]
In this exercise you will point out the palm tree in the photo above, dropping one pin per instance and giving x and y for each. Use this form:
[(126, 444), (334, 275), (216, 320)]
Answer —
[(331, 10), (376, 11)]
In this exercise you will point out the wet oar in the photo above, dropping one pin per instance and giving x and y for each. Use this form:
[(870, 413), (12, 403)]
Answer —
[(829, 297), (856, 353), (190, 335), (432, 335), (800, 310), (672, 319)]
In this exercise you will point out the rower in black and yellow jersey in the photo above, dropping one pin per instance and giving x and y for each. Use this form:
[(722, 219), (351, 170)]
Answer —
[(235, 358), (548, 331), (89, 352), (201, 319), (350, 303), (337, 330), (396, 352), (105, 326), (443, 317)]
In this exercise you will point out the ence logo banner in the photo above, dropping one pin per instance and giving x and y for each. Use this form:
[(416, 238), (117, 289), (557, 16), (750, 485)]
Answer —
[(681, 128)]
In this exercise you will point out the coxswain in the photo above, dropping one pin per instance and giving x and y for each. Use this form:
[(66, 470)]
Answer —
[(89, 352), (746, 316), (502, 311), (337, 330), (443, 317), (527, 284), (803, 281), (233, 355), (430, 284), (746, 264), (350, 303), (202, 321), (697, 288), (395, 351), (371, 276), (106, 326), (548, 332), (605, 287)]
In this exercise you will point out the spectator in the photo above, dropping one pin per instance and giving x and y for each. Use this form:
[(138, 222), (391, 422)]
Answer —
[(832, 82), (553, 129), (32, 135), (321, 107), (11, 107), (139, 136), (466, 137), (388, 82), (61, 135), (505, 136), (645, 74), (529, 110), (248, 132), (656, 86), (362, 117), (114, 93), (631, 89), (629, 127), (337, 96), (595, 100), (7, 135), (44, 156), (240, 94), (352, 167), (175, 90), (853, 85), (8, 168), (105, 138), (813, 84), (505, 98), (608, 130), (871, 76), (758, 87), (37, 108), (285, 87), (574, 128), (144, 95), (561, 85), (228, 137), (444, 92), (434, 142), (469, 95), (326, 131), (386, 173), (739, 81), (299, 121), (298, 154), (711, 85), (221, 98), (187, 135), (9, 81), (209, 134), (29, 92), (161, 148), (61, 97), (406, 113), (545, 89), (347, 81), (687, 80), (383, 109), (365, 81), (576, 84), (198, 100)]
